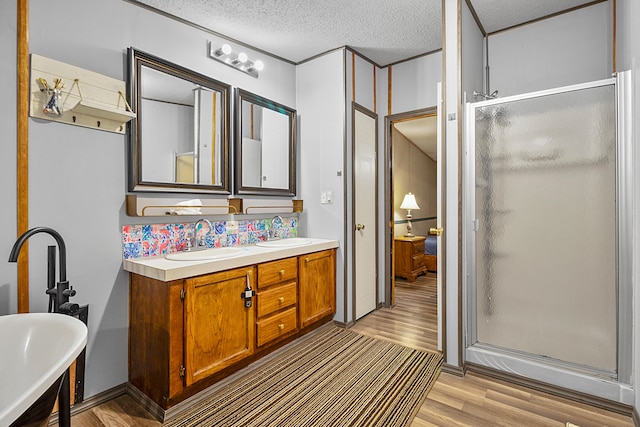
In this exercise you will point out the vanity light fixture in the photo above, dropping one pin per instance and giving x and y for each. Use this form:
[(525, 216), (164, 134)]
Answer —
[(239, 61)]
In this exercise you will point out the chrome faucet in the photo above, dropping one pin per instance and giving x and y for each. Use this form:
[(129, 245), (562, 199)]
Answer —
[(197, 241), (276, 224)]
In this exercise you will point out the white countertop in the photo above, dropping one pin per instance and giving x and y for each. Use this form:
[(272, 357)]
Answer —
[(166, 270)]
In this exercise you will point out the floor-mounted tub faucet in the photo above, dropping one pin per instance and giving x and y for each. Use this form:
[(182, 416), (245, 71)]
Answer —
[(60, 292)]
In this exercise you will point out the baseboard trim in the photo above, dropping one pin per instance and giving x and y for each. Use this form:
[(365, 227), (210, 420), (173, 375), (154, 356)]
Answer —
[(453, 370), (576, 396), (343, 324), (92, 402), (141, 399), (636, 417)]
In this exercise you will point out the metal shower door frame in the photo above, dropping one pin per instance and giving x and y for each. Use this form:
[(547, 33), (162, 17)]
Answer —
[(616, 389)]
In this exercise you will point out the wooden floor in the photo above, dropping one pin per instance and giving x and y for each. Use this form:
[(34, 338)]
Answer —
[(412, 321), (472, 400)]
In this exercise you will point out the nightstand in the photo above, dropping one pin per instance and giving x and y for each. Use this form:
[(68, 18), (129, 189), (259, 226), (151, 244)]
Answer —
[(409, 257)]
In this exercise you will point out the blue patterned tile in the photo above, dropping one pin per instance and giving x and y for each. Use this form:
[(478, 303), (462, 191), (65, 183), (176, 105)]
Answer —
[(132, 250), (220, 227)]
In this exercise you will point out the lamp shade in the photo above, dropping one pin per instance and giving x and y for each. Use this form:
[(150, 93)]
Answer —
[(409, 202)]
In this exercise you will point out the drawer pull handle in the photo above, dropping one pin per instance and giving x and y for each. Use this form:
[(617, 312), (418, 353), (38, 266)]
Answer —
[(281, 299), (281, 273), (281, 326)]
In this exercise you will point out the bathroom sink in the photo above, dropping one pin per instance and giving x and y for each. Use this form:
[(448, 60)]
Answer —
[(285, 243), (205, 255), (37, 349)]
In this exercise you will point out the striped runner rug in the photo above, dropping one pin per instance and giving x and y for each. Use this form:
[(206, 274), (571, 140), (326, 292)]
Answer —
[(332, 377)]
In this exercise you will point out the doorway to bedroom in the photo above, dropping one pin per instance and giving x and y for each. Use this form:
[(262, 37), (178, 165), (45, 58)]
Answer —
[(415, 191)]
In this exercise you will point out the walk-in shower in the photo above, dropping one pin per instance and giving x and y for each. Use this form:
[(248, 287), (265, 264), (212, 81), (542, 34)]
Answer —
[(546, 219)]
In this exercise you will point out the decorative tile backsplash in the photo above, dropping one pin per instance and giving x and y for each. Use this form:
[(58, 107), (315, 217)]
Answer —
[(140, 241)]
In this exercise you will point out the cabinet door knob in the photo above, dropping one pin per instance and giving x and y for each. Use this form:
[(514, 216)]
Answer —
[(281, 273), (281, 326), (281, 299), (306, 259)]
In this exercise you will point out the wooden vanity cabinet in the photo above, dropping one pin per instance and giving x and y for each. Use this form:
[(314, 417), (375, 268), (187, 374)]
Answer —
[(186, 334), (183, 331), (276, 300), (317, 275), (218, 327)]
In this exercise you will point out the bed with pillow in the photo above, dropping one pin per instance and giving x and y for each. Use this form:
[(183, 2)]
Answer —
[(431, 253)]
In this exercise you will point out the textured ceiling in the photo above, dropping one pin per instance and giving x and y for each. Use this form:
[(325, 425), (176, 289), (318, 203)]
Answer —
[(384, 31), (297, 30)]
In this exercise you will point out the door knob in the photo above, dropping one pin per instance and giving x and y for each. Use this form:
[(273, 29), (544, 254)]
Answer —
[(437, 231), (359, 227)]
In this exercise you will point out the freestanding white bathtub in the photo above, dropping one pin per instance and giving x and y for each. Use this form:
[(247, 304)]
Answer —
[(37, 348)]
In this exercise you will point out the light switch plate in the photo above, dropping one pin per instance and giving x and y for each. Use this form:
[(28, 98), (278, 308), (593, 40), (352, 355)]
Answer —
[(326, 197)]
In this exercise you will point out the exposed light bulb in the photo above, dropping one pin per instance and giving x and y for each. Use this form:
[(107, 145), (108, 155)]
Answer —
[(240, 61)]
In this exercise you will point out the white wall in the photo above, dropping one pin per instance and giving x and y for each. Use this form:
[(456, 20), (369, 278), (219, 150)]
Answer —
[(322, 115), (8, 291), (77, 175), (571, 48), (414, 84), (472, 57), (628, 38), (451, 94)]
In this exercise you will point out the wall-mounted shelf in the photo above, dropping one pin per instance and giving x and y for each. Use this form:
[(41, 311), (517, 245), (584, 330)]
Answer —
[(271, 206), (64, 93), (149, 206), (153, 206)]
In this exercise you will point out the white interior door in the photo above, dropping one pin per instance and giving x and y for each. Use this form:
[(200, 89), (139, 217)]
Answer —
[(365, 190)]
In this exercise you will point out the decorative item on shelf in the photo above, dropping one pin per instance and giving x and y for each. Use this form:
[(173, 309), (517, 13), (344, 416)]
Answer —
[(52, 103), (409, 203), (239, 61)]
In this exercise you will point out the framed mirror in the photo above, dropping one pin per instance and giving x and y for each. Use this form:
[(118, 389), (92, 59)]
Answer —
[(179, 141), (265, 146)]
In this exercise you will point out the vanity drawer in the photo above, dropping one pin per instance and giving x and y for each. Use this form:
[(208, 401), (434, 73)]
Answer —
[(277, 298), (271, 273), (418, 247), (276, 326)]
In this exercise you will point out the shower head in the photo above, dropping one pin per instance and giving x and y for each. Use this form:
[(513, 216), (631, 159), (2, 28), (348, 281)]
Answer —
[(493, 94)]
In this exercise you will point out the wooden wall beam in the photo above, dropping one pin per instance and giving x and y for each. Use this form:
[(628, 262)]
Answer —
[(22, 172)]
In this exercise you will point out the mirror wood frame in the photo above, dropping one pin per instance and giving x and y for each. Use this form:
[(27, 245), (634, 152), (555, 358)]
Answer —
[(240, 188), (138, 59)]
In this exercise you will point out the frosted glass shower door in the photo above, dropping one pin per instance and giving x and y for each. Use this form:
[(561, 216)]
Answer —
[(545, 244)]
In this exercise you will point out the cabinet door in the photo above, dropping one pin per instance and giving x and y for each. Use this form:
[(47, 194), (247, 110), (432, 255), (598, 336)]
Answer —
[(219, 329), (317, 286)]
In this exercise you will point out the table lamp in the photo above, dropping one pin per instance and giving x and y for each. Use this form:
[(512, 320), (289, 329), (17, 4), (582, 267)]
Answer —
[(408, 203)]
